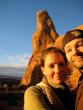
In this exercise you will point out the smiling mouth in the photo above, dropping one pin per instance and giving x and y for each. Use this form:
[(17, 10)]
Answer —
[(59, 76)]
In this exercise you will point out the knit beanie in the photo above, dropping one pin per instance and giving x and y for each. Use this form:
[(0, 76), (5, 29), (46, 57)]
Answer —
[(71, 35)]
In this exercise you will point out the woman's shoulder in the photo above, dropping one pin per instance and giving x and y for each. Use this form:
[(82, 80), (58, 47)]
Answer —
[(32, 90)]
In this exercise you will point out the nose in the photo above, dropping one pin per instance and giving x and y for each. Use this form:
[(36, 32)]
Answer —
[(57, 69)]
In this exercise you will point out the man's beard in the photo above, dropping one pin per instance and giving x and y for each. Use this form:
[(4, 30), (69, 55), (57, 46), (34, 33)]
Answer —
[(78, 64)]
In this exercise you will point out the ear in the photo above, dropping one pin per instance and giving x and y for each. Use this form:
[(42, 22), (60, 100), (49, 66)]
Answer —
[(42, 69)]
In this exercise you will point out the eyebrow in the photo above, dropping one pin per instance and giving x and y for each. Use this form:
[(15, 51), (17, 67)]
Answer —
[(80, 41)]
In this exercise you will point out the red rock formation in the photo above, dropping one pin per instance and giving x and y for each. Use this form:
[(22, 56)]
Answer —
[(45, 35), (80, 27)]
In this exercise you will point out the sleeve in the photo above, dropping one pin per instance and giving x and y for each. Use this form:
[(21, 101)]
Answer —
[(80, 103), (34, 100)]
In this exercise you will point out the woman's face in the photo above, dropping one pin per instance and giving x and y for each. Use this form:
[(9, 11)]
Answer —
[(55, 68)]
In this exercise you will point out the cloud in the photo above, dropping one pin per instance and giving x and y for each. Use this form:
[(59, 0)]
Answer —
[(19, 60)]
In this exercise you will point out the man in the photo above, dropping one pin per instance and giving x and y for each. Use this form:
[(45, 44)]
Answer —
[(73, 47)]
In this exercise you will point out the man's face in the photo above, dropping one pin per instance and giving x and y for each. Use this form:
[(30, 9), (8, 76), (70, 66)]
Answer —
[(54, 68), (74, 52)]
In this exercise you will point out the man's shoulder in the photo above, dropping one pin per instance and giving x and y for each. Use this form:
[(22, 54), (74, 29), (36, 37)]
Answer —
[(79, 98), (80, 90)]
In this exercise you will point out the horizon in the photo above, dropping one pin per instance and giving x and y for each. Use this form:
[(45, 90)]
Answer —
[(12, 71)]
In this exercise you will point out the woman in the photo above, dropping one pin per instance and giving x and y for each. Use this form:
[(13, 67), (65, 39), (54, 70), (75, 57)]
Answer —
[(51, 93)]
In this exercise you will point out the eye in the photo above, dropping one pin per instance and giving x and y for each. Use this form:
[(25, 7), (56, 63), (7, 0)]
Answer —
[(68, 50), (80, 44), (51, 66)]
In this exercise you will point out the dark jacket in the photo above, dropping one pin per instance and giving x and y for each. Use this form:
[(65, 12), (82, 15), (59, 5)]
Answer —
[(44, 97), (79, 98)]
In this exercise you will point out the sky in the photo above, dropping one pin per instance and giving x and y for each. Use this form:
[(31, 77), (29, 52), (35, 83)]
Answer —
[(18, 23)]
